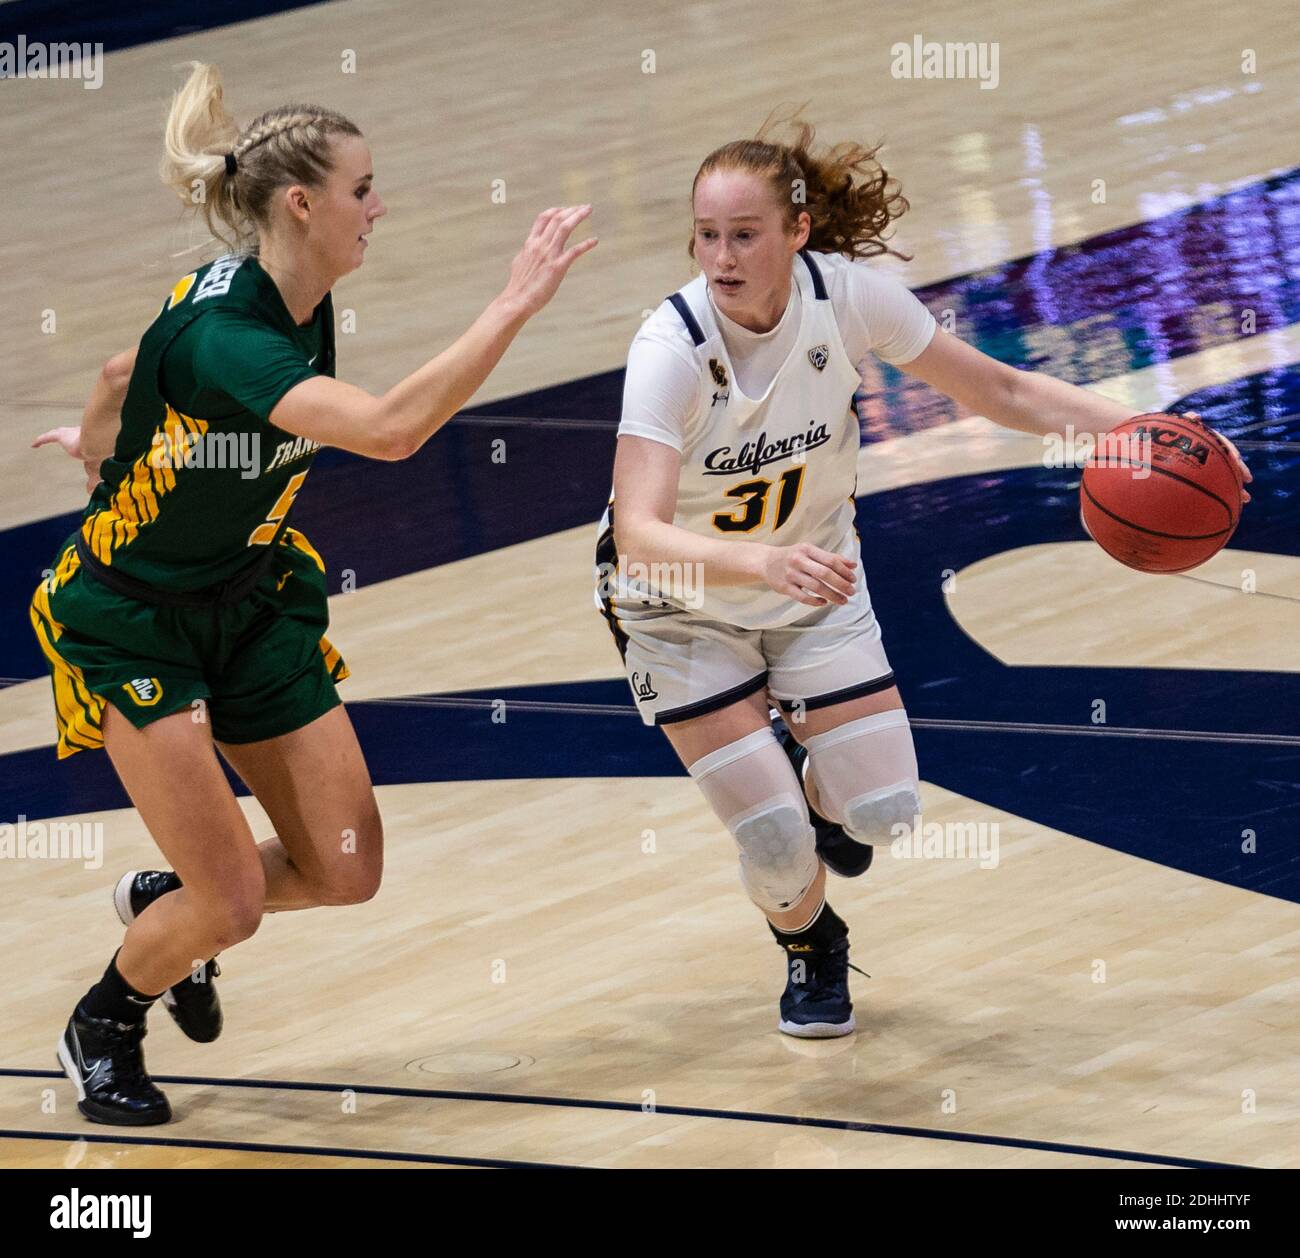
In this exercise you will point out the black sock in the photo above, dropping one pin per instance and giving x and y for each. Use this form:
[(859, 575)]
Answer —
[(822, 933), (113, 997)]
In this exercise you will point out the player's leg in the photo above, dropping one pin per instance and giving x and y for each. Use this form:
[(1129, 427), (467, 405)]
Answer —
[(328, 844), (277, 717), (132, 679), (832, 679), (840, 854), (830, 676), (275, 714), (328, 849), (737, 763), (705, 684), (862, 770), (171, 773), (736, 760), (885, 743)]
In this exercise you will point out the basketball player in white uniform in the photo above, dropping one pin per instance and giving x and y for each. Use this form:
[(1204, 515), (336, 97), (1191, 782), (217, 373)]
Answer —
[(728, 563)]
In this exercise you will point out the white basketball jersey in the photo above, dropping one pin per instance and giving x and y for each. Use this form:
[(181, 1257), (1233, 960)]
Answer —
[(778, 469)]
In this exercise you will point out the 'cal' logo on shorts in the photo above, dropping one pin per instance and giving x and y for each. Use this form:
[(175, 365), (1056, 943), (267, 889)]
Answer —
[(146, 691)]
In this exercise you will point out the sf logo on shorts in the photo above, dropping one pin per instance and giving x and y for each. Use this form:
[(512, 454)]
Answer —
[(146, 691)]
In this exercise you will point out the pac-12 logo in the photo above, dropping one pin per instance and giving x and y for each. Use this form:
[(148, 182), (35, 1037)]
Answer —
[(146, 691), (819, 356)]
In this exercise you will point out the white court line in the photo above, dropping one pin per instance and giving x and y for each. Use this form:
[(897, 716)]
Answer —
[(988, 727)]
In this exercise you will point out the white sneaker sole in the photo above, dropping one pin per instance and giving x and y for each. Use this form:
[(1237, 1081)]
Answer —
[(818, 1030), (122, 896), (70, 1066), (122, 903)]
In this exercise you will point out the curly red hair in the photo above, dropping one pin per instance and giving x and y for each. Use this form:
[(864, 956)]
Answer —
[(846, 192)]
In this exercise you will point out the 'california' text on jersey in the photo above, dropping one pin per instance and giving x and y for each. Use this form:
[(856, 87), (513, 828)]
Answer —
[(779, 469)]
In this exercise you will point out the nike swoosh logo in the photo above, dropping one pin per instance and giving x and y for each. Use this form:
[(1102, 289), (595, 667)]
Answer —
[(87, 1077), (312, 359), (89, 1081)]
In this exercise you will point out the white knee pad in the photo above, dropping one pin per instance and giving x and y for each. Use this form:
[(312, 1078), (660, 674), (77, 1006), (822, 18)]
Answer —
[(753, 790), (866, 776), (778, 852)]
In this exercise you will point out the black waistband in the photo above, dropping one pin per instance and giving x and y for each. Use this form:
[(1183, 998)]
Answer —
[(222, 594)]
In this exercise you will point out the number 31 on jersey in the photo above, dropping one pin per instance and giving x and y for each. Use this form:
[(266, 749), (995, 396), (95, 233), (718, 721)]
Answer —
[(754, 495)]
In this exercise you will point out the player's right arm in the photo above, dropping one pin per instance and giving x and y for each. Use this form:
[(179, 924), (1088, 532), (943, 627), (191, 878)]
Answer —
[(661, 393), (102, 418), (94, 440), (645, 493), (397, 424)]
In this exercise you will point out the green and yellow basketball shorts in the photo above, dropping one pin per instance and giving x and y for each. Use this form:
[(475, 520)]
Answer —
[(254, 669)]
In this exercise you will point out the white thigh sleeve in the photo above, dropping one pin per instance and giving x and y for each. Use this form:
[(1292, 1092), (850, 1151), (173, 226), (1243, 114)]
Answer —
[(866, 776), (753, 789)]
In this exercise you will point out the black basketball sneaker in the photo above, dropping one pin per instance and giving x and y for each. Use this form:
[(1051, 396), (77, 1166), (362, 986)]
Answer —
[(105, 1062), (816, 1004), (193, 1002), (840, 854)]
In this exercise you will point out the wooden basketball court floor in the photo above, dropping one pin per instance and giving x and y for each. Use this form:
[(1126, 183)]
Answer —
[(560, 967)]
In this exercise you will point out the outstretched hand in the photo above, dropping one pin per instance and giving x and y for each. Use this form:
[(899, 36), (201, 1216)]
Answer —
[(544, 260), (70, 440)]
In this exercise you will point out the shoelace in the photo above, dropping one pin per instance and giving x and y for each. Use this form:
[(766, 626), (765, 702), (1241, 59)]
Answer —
[(829, 972), (123, 1051)]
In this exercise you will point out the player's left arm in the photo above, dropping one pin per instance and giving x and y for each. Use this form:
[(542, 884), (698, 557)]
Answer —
[(1025, 400), (1028, 401)]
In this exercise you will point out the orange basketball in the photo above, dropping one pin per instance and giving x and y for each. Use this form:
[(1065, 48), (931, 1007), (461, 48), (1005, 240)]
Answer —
[(1162, 493)]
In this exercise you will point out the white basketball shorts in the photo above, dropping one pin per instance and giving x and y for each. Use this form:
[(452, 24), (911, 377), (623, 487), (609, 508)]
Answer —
[(682, 665)]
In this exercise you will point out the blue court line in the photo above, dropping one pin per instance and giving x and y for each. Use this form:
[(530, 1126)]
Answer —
[(247, 1146), (681, 1111)]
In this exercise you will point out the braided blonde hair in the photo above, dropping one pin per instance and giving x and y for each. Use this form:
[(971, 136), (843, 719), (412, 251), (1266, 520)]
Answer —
[(283, 146)]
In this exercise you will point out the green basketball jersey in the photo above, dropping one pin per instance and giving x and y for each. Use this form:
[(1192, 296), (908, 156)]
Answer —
[(200, 478)]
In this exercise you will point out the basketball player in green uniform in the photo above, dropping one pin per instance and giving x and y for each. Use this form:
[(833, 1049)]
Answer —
[(185, 614)]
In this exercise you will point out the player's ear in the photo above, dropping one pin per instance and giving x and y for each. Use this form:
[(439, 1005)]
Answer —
[(297, 203), (802, 229)]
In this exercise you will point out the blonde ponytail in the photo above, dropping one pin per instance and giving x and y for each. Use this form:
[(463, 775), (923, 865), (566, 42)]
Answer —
[(199, 132), (232, 174)]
